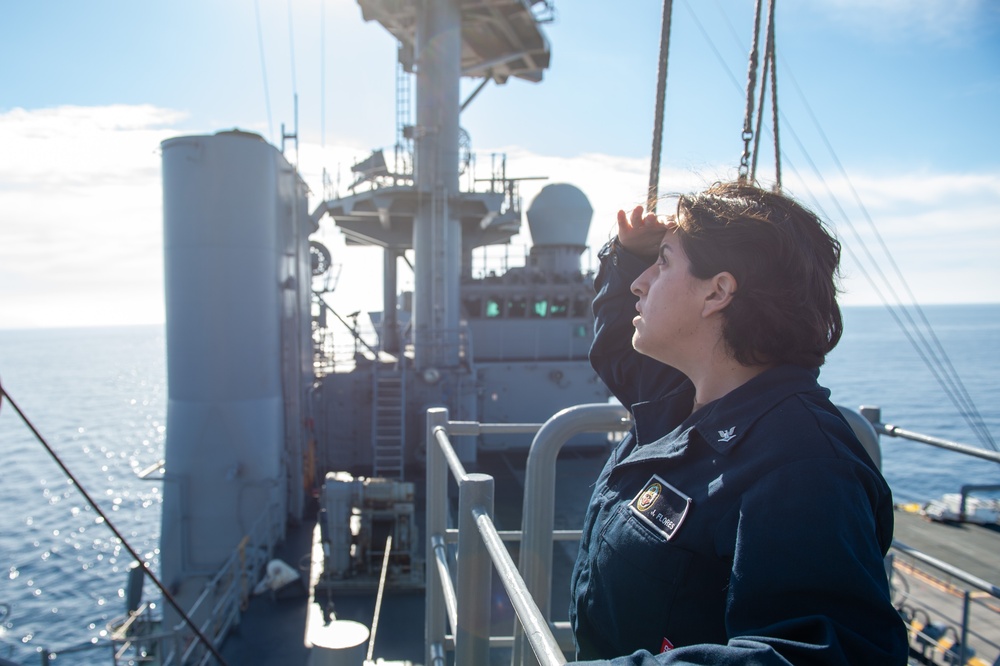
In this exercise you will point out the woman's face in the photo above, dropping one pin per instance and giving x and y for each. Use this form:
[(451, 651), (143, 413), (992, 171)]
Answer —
[(670, 307)]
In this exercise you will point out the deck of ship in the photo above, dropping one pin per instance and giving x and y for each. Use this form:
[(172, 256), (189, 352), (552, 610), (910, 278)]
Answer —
[(273, 627), (929, 596)]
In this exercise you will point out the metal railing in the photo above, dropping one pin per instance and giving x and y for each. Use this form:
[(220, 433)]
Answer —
[(466, 605), (537, 640), (874, 416), (137, 638), (931, 627)]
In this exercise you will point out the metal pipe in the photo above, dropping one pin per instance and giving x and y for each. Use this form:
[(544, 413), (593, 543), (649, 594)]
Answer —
[(450, 601), (967, 490), (539, 493), (472, 634), (457, 468), (960, 574), (895, 431), (962, 645), (531, 619), (436, 476), (874, 415), (476, 428), (451, 536)]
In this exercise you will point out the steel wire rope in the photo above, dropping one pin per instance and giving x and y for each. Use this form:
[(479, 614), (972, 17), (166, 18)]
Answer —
[(322, 80), (935, 349), (928, 361), (911, 331), (107, 521), (951, 382), (291, 48), (263, 70)]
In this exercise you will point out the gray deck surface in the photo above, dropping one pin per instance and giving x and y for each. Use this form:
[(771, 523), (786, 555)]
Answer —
[(931, 596)]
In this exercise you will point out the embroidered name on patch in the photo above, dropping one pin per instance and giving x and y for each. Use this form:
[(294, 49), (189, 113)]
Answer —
[(661, 506)]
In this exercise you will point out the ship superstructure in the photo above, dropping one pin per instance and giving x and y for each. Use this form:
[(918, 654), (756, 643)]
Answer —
[(255, 424)]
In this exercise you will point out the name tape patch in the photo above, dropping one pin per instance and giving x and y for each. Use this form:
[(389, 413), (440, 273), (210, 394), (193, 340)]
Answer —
[(661, 506)]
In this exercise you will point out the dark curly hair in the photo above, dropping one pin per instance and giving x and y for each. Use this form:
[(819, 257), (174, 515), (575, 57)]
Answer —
[(785, 263)]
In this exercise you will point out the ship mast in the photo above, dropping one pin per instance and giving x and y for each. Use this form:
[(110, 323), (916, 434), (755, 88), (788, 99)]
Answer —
[(437, 234), (442, 41)]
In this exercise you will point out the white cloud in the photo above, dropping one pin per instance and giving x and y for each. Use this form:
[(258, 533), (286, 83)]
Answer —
[(907, 19), (938, 229), (81, 217)]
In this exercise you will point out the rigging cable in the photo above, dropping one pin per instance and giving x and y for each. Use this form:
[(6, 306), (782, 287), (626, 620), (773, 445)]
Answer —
[(107, 521), (322, 80), (291, 48), (263, 70), (661, 93), (295, 93), (931, 352), (927, 343)]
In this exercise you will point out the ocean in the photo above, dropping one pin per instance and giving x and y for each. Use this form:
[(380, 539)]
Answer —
[(98, 395)]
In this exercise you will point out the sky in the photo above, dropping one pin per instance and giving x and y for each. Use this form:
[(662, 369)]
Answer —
[(890, 129)]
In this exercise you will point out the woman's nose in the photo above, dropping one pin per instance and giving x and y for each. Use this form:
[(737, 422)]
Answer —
[(639, 286)]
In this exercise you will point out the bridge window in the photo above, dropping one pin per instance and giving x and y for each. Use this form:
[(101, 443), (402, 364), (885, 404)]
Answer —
[(517, 307), (559, 307)]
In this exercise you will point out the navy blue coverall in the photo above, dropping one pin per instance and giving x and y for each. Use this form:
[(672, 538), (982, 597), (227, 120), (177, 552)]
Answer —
[(750, 532)]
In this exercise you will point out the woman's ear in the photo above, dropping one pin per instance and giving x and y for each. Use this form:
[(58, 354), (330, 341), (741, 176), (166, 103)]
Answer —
[(722, 288)]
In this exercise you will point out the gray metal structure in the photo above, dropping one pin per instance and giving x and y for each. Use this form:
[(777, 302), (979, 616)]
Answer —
[(504, 346), (254, 424), (239, 361)]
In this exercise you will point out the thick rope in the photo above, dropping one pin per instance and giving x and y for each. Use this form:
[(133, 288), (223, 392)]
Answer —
[(760, 105), (772, 51), (751, 87), (661, 93)]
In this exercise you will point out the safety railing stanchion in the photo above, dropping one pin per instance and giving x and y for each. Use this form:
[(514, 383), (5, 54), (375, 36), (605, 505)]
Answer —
[(472, 635), (535, 562), (437, 517)]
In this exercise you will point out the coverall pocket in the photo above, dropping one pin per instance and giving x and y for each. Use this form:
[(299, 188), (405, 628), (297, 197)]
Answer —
[(636, 574)]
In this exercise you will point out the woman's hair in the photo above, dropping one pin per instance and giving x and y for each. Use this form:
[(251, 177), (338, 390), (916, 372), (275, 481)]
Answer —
[(785, 263)]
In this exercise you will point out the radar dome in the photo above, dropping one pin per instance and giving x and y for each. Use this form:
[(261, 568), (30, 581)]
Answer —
[(560, 215)]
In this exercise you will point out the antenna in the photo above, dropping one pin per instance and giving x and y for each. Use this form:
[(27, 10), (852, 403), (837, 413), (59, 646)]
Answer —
[(294, 135)]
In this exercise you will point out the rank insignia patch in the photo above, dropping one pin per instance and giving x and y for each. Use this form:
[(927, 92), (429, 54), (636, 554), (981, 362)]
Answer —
[(661, 506)]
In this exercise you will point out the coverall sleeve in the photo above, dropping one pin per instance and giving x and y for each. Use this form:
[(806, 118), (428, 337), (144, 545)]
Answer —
[(808, 584), (629, 375)]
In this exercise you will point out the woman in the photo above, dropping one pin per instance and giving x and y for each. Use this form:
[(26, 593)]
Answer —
[(740, 521)]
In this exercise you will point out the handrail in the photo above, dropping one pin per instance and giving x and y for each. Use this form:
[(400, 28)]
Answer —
[(874, 416), (219, 602), (538, 634), (539, 493), (953, 571), (482, 549), (960, 649), (481, 544)]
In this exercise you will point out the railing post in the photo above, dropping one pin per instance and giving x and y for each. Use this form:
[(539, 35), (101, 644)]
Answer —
[(535, 561), (437, 524), (475, 573)]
